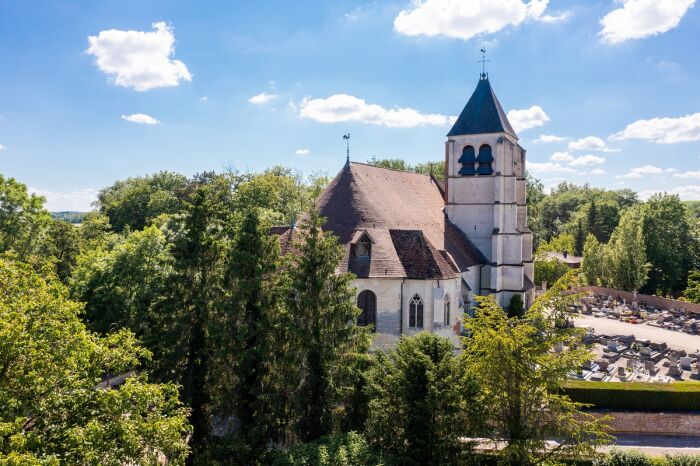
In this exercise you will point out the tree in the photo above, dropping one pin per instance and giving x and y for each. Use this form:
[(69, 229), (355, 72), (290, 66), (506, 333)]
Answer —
[(420, 402), (321, 326), (626, 253), (516, 306), (548, 270), (579, 239), (592, 220), (56, 401), (692, 292), (134, 202), (519, 378), (437, 169), (595, 267), (63, 244), (669, 245), (23, 220), (249, 316)]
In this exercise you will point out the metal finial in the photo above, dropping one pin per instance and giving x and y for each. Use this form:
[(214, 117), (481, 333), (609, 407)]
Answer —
[(346, 137), (483, 62)]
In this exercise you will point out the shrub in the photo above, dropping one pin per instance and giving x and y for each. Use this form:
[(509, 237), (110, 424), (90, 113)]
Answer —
[(349, 449), (624, 458), (682, 460), (680, 396)]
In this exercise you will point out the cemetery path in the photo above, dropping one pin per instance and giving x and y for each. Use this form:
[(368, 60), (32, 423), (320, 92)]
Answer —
[(654, 445), (675, 340)]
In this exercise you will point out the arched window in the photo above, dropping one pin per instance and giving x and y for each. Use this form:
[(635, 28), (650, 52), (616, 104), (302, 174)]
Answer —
[(468, 161), (364, 247), (485, 160), (415, 312), (367, 302), (446, 311)]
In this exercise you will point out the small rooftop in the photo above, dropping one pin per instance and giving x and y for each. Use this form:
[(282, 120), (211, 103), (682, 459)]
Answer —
[(482, 114)]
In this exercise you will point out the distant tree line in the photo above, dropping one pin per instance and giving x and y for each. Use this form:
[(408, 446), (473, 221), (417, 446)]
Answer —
[(170, 326)]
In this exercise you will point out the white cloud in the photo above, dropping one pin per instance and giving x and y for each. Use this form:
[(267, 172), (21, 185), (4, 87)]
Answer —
[(686, 193), (302, 152), (343, 107), (204, 98), (549, 167), (2, 147), (460, 19), (550, 138), (79, 200), (527, 118), (586, 160), (689, 174), (638, 172), (598, 171), (642, 18), (138, 59), (561, 157), (588, 143), (262, 98), (663, 130), (141, 119)]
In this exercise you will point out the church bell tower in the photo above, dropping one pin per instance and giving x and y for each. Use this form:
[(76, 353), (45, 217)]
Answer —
[(485, 192)]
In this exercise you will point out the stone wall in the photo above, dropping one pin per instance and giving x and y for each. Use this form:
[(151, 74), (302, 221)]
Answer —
[(653, 423), (650, 300)]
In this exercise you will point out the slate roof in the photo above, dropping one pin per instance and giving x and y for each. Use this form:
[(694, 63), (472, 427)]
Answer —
[(402, 214), (482, 114)]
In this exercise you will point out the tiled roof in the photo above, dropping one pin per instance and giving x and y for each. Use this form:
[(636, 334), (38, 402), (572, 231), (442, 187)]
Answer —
[(402, 213), (482, 114)]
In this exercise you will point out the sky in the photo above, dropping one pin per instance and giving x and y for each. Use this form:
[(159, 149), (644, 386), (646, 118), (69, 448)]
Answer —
[(603, 92)]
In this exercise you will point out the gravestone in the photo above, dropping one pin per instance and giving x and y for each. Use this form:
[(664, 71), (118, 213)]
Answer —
[(650, 367), (686, 363), (645, 352)]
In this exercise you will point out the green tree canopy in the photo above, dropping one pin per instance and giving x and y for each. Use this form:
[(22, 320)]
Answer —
[(23, 220), (52, 408)]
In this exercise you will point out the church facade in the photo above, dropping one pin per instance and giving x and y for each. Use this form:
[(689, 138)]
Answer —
[(421, 248)]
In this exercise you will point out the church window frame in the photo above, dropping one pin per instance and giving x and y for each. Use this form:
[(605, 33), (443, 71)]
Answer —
[(415, 312), (446, 311), (367, 303)]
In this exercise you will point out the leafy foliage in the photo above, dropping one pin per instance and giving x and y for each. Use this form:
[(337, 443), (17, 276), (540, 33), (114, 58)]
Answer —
[(351, 449), (437, 169)]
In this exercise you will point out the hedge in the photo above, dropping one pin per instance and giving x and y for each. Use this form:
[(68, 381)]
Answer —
[(635, 396)]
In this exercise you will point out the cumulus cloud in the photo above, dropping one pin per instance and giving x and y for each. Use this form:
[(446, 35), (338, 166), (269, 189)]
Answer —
[(689, 174), (302, 152), (686, 193), (549, 167), (343, 107), (663, 130), (79, 200), (637, 19), (638, 172), (586, 160), (459, 19), (527, 118), (550, 138), (587, 143), (137, 59), (598, 171), (141, 119), (561, 157), (262, 98), (2, 147)]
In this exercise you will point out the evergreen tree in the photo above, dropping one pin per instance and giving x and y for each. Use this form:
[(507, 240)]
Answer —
[(322, 326), (579, 239), (626, 253), (420, 403), (249, 317), (692, 291), (592, 220)]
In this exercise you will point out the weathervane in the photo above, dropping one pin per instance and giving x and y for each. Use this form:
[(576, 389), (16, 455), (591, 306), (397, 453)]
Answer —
[(483, 62), (346, 137)]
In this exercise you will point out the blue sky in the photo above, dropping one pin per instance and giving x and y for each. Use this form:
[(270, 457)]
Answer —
[(95, 91)]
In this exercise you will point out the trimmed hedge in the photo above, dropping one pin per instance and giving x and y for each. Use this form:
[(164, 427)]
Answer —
[(634, 396)]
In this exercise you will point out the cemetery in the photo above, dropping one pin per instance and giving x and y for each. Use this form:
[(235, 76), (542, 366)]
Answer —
[(627, 358)]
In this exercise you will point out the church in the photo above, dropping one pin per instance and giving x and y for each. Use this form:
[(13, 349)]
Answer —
[(421, 248)]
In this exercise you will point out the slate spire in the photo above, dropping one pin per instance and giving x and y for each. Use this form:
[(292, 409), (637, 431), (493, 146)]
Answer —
[(482, 114)]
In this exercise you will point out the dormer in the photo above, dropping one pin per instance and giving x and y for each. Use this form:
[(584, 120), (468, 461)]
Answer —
[(363, 246)]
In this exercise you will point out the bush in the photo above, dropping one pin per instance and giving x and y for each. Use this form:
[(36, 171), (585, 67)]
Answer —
[(624, 458), (682, 460), (339, 449), (679, 396)]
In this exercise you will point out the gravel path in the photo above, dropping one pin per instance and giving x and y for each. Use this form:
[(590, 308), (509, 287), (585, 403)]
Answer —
[(675, 340)]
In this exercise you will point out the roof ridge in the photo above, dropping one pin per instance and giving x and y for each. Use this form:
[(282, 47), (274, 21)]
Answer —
[(390, 169)]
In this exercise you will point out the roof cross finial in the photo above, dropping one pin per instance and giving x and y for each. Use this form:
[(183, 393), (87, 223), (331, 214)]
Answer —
[(347, 146), (483, 63)]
